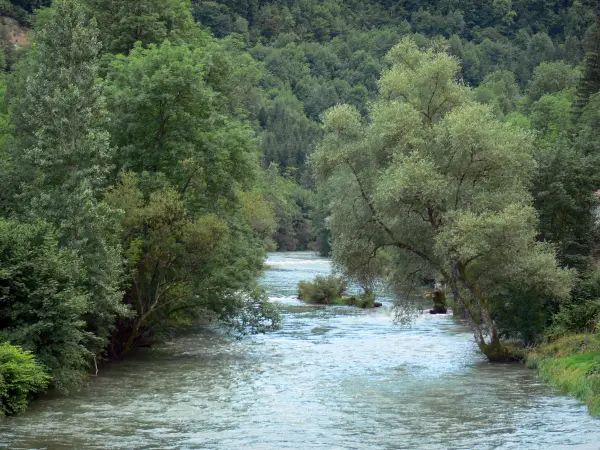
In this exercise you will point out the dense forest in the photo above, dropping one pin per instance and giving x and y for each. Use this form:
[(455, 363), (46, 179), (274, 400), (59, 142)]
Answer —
[(152, 151)]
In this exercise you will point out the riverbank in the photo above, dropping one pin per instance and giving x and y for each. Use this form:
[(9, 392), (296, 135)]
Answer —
[(572, 364)]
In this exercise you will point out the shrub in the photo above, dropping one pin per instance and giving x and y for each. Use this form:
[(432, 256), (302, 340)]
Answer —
[(21, 378), (323, 290), (43, 300), (364, 301)]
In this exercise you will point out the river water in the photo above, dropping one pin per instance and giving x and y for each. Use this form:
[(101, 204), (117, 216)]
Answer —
[(332, 378)]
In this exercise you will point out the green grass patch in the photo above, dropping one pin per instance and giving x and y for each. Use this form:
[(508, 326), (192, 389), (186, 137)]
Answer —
[(572, 364)]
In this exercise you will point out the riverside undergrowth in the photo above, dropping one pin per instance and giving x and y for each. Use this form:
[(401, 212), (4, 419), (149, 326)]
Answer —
[(572, 364)]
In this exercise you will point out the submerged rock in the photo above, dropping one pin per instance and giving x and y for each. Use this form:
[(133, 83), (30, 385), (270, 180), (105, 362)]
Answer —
[(377, 305)]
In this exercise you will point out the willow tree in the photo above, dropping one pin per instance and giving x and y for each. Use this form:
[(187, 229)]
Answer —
[(435, 185)]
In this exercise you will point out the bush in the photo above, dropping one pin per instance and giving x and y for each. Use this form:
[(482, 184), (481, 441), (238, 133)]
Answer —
[(582, 313), (577, 317), (43, 300), (323, 290), (361, 301), (21, 378)]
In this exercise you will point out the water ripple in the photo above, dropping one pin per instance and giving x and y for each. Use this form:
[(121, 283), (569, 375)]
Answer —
[(333, 377)]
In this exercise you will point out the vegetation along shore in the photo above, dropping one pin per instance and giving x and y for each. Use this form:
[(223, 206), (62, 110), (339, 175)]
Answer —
[(152, 152)]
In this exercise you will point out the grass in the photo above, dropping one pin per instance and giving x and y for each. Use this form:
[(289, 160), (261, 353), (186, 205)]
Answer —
[(572, 364)]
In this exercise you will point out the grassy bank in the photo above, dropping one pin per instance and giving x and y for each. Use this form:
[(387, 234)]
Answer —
[(572, 364)]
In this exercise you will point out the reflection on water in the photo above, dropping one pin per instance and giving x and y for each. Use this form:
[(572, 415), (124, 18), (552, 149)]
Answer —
[(333, 377)]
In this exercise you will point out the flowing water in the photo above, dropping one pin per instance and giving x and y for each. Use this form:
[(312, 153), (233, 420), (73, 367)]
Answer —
[(332, 378)]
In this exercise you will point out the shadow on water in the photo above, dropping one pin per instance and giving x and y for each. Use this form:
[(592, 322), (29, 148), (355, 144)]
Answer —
[(332, 377)]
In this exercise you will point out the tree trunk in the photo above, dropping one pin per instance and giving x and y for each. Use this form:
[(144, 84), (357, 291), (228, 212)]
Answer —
[(487, 339), (458, 300)]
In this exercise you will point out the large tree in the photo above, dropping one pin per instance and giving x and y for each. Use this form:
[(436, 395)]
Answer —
[(62, 156), (435, 185), (191, 247)]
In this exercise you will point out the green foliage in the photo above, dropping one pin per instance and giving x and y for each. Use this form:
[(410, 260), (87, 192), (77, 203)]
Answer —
[(19, 10), (167, 118), (424, 186), (364, 301), (590, 82), (499, 89), (131, 159), (551, 116), (320, 54), (181, 268), (289, 135), (551, 78), (62, 157), (572, 364), (260, 215), (293, 207), (58, 79), (323, 290), (219, 19), (564, 197), (582, 313), (169, 229), (43, 300), (21, 378), (123, 23), (587, 140), (195, 223)]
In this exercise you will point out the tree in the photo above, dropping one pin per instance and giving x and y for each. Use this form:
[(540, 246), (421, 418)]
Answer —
[(563, 191), (435, 184), (122, 23), (62, 155), (587, 139), (219, 18), (293, 207), (499, 89), (21, 378), (168, 120), (43, 298), (551, 117), (590, 82), (551, 78), (289, 135), (30, 5), (188, 169)]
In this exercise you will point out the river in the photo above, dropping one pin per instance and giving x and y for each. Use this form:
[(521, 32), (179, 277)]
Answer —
[(331, 378)]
